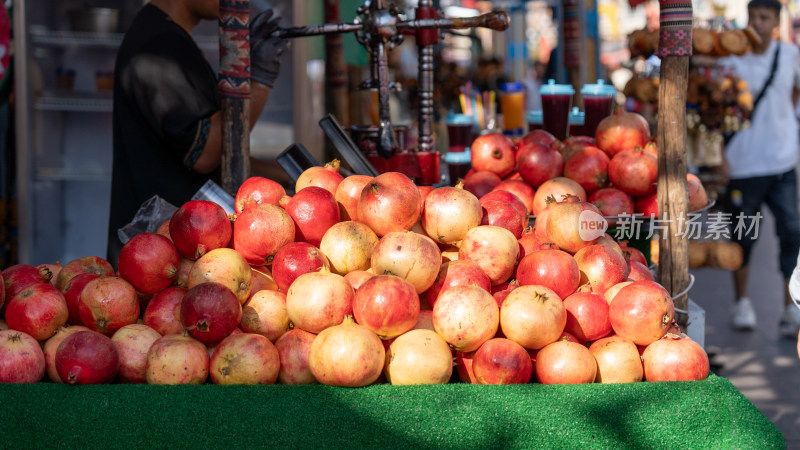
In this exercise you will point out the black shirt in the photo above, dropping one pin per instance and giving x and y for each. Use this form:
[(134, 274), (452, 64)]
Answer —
[(164, 95)]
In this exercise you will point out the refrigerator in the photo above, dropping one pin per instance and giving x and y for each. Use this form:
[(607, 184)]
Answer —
[(64, 59)]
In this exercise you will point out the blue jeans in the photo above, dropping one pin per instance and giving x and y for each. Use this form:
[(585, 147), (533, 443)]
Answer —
[(779, 192)]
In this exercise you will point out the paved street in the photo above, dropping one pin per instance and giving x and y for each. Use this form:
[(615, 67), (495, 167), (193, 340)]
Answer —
[(762, 365)]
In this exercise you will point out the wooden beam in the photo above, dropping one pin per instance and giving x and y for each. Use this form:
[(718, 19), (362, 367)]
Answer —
[(234, 87)]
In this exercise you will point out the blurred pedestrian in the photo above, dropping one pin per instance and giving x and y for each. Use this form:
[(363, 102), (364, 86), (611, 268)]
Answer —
[(763, 157)]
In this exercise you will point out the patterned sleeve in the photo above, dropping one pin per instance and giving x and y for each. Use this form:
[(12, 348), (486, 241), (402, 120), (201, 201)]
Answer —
[(175, 92)]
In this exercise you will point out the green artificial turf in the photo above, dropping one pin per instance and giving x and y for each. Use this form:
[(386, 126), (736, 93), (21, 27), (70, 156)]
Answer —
[(706, 414)]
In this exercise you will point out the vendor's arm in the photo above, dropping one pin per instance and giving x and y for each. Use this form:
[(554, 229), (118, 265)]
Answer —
[(211, 155)]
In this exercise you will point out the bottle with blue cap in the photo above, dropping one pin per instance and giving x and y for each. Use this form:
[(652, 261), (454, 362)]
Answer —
[(512, 106), (556, 105), (598, 103)]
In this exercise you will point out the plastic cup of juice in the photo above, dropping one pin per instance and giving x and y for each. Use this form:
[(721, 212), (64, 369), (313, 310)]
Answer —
[(556, 105), (459, 131), (598, 102), (512, 107), (458, 164), (534, 120), (577, 119)]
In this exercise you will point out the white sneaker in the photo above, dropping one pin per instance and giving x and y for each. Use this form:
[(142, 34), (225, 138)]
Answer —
[(744, 316), (789, 325)]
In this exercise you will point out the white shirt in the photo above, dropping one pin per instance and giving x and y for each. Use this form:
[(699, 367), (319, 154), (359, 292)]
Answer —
[(770, 145)]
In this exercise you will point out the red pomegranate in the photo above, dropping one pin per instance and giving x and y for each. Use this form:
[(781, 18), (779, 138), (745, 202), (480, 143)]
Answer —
[(210, 312), (348, 193), (618, 360), (387, 305), (418, 357), (454, 273), (348, 246), (450, 212), (38, 310), (589, 167), (573, 226), (51, 345), (265, 314), (225, 266), (244, 358), (537, 164), (524, 191), (505, 196), (53, 268), (184, 267), (313, 210), (318, 300), (295, 259), (554, 269), (639, 271), (587, 316), (92, 264), (634, 171), (558, 188), (493, 153), (108, 304), (198, 227), (698, 198), (20, 276), (502, 361), (601, 266), (542, 137), (611, 292), (540, 221), (149, 262), (72, 295), (500, 295), (262, 280), (533, 316), (574, 144), (257, 190), (358, 277), (675, 357), (293, 347), (565, 362), (505, 215), (622, 131), (466, 316), (326, 177), (132, 343), (163, 312), (346, 355), (163, 229), (612, 202), (21, 358), (260, 231), (177, 359), (631, 253), (87, 357), (642, 312), (530, 243), (646, 205), (390, 202), (464, 367), (480, 183), (494, 249), (410, 256)]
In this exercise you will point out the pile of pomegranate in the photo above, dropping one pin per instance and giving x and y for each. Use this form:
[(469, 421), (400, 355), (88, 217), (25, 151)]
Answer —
[(616, 170), (354, 281)]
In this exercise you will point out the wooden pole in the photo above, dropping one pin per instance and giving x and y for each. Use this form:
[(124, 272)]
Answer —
[(675, 46), (336, 96), (234, 88)]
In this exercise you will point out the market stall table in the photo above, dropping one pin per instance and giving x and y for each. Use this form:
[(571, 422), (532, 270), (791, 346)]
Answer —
[(702, 414)]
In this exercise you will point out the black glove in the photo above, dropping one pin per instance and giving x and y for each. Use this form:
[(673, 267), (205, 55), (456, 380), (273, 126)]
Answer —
[(265, 49)]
